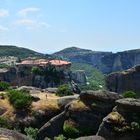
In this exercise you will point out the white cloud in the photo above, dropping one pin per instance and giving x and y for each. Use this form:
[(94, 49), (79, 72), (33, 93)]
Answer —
[(3, 29), (32, 24), (3, 13), (24, 12)]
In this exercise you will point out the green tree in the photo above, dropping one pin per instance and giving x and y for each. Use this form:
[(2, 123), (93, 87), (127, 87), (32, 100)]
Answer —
[(64, 90), (4, 85), (19, 99), (129, 94)]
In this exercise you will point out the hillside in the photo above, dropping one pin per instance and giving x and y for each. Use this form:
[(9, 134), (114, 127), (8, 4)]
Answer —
[(106, 62), (9, 50), (72, 51)]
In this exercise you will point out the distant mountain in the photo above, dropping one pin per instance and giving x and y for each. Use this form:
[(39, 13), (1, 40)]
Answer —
[(106, 62), (72, 51), (9, 50)]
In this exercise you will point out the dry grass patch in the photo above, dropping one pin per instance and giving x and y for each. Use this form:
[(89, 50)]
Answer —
[(10, 110), (47, 101), (78, 105)]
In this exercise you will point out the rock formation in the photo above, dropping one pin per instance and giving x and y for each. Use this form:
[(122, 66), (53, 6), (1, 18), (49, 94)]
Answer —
[(6, 134), (79, 77), (91, 138), (53, 127), (124, 81), (123, 122)]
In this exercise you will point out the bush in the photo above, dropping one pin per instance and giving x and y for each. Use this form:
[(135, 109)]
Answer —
[(135, 125), (2, 96), (60, 137), (129, 94), (4, 85), (31, 132), (4, 123), (19, 99), (64, 90), (70, 131), (37, 70)]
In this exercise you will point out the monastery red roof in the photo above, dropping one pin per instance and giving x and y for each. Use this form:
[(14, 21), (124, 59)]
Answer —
[(44, 62)]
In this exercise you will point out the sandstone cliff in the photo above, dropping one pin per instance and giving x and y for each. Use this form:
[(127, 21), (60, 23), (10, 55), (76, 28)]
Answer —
[(124, 81)]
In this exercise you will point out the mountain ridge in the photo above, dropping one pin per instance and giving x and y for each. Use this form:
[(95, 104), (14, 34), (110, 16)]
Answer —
[(106, 62), (12, 50)]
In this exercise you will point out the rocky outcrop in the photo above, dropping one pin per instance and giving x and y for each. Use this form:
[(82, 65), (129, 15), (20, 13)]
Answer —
[(63, 101), (79, 77), (53, 127), (123, 122), (80, 113), (124, 81), (89, 110), (91, 138), (6, 134), (103, 99)]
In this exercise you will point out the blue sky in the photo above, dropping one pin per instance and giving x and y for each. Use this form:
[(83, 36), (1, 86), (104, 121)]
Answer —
[(51, 25)]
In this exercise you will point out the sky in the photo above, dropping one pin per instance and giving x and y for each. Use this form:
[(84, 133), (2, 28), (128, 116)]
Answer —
[(51, 25)]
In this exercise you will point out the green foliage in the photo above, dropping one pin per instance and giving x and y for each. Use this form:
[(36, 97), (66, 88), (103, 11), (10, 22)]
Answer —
[(9, 50), (95, 79), (64, 90), (4, 85), (37, 70), (4, 123), (19, 99), (70, 131), (129, 94), (135, 125), (31, 132), (60, 137), (2, 96), (93, 104), (3, 65)]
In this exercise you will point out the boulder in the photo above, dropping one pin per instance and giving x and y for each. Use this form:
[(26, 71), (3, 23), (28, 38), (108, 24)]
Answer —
[(102, 99), (123, 122), (63, 101), (91, 138), (53, 127), (128, 104), (6, 134)]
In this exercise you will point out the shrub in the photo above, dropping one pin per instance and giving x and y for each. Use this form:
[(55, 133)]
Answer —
[(37, 70), (2, 96), (129, 94), (4, 85), (60, 137), (64, 90), (135, 125), (70, 131), (4, 123), (19, 99), (31, 132)]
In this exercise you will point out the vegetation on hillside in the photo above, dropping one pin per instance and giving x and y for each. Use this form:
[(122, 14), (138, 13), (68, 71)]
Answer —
[(7, 50), (20, 99), (4, 85), (95, 79), (64, 90)]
